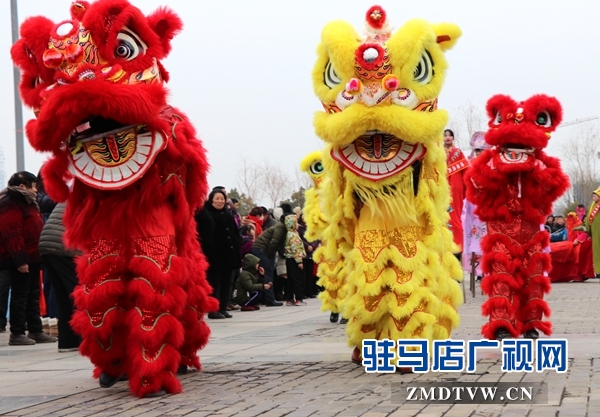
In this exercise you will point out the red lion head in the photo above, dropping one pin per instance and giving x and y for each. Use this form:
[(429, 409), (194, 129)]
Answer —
[(519, 130), (99, 86)]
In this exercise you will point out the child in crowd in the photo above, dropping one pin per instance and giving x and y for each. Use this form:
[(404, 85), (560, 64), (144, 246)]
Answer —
[(294, 254), (248, 235), (250, 287)]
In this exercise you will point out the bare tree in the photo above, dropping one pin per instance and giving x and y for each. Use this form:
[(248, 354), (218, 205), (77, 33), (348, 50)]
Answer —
[(580, 155), (466, 118), (302, 179), (251, 180), (277, 184)]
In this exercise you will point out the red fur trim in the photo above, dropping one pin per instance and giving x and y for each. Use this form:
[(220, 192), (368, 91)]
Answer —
[(166, 24), (164, 380), (54, 172), (68, 105), (488, 330)]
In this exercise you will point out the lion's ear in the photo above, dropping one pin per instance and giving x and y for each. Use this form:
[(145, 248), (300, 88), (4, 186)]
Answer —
[(166, 24), (447, 34)]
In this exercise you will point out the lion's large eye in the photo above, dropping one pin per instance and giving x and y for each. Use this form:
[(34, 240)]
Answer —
[(130, 45), (316, 168), (424, 69), (330, 77), (543, 119)]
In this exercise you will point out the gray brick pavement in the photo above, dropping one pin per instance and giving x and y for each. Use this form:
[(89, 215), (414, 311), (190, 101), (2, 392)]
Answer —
[(290, 361)]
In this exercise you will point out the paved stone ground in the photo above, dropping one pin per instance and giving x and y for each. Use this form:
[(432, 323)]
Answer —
[(290, 361)]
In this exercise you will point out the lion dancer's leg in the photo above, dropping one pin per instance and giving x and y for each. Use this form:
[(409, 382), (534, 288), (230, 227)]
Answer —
[(155, 332), (390, 292), (501, 285), (101, 303), (198, 303), (537, 283)]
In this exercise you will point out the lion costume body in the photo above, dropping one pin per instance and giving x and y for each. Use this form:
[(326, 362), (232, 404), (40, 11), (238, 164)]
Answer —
[(139, 174), (387, 196), (513, 186)]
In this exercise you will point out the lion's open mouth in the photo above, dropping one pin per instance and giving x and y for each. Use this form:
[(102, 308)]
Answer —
[(108, 155), (513, 153), (378, 155)]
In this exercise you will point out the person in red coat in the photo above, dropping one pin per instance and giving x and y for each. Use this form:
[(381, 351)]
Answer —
[(457, 163), (20, 228)]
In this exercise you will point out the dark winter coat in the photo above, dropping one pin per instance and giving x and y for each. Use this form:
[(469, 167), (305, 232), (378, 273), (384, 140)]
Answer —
[(46, 204), (248, 281), (20, 228), (271, 239), (219, 237), (51, 240)]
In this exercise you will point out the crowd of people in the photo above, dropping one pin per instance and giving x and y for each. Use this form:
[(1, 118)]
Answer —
[(259, 259)]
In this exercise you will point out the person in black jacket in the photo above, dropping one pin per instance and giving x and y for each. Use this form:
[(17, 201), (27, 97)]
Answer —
[(220, 243)]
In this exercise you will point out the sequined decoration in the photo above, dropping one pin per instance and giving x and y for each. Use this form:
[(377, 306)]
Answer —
[(102, 248), (158, 249), (102, 279), (401, 299), (400, 324), (367, 328), (168, 168), (151, 355), (371, 303), (149, 318), (405, 238), (97, 317)]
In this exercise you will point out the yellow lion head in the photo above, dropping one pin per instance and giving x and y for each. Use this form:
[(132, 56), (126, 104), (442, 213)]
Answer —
[(380, 92), (312, 164)]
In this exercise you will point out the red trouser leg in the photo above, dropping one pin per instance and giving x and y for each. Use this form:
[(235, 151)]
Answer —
[(100, 311), (537, 283), (501, 285), (198, 302), (156, 334)]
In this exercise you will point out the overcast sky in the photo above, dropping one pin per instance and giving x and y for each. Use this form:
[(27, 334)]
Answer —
[(241, 69)]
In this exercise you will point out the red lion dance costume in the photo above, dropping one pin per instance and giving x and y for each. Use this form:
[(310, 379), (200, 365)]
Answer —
[(97, 86), (513, 186)]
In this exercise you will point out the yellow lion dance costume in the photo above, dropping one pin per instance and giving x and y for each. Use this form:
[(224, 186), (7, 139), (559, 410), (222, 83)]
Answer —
[(387, 254)]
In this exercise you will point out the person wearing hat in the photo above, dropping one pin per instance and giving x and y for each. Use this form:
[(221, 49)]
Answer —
[(592, 226)]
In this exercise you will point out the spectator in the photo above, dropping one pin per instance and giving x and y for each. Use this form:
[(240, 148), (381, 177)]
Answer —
[(20, 228), (233, 209), (268, 219), (294, 254), (559, 232), (593, 229), (4, 289), (580, 210), (248, 237), (266, 246), (457, 164), (220, 243), (46, 205), (60, 266), (310, 280), (250, 287), (255, 217), (549, 223)]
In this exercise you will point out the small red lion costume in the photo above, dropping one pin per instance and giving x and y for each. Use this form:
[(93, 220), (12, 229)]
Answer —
[(97, 86), (513, 186)]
